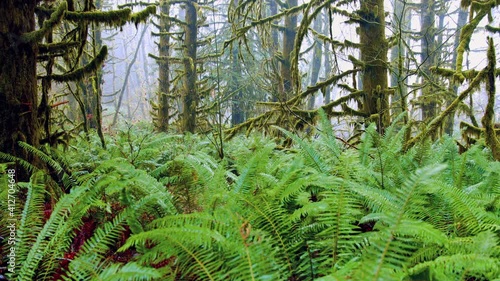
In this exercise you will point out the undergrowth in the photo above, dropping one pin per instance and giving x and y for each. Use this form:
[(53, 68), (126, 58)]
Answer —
[(166, 207)]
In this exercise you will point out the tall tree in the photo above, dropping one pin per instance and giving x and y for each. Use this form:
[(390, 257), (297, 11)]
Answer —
[(316, 62), (401, 21), (374, 57), (428, 57), (164, 73), (190, 93), (461, 21), (289, 34), (18, 83)]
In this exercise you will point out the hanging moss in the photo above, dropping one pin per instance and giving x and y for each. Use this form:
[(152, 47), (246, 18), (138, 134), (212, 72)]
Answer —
[(55, 18), (143, 15), (465, 37), (489, 114), (83, 71), (111, 18), (436, 123)]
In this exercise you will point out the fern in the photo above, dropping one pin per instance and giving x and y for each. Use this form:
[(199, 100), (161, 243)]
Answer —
[(398, 231)]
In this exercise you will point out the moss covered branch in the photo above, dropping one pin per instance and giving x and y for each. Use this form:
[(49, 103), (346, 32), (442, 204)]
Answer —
[(437, 122), (48, 25), (489, 114), (111, 18), (143, 15), (56, 47), (81, 72)]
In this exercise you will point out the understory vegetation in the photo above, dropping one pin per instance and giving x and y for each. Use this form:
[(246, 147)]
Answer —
[(153, 206)]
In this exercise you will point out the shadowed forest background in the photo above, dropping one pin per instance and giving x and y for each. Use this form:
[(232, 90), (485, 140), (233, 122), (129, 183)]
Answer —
[(249, 140)]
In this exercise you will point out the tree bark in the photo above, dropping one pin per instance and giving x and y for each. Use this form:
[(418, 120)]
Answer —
[(401, 23), (18, 83), (374, 56), (428, 58), (328, 63), (237, 113), (190, 95), (462, 20), (316, 62), (164, 73), (288, 45)]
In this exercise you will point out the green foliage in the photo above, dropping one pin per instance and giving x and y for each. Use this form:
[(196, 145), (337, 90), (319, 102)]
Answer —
[(314, 211)]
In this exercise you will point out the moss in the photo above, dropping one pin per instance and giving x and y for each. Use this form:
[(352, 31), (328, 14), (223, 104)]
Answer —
[(493, 29), (54, 20), (56, 47), (465, 37), (135, 4), (436, 123), (83, 71), (111, 18), (143, 15), (489, 113)]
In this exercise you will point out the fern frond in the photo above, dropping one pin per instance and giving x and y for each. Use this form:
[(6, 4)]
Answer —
[(82, 267), (130, 271), (313, 157)]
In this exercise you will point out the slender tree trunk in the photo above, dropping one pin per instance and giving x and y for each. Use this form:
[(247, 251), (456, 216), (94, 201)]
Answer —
[(164, 79), (374, 55), (401, 23), (273, 8), (190, 97), (288, 46), (18, 83), (428, 58), (316, 62), (462, 20), (328, 63), (237, 114), (98, 80), (127, 75)]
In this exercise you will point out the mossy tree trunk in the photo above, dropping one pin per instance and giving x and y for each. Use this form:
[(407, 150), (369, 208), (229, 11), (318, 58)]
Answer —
[(164, 68), (401, 23), (18, 83), (190, 95), (237, 112), (288, 46), (461, 21), (326, 53), (374, 56), (273, 9), (316, 62), (428, 58)]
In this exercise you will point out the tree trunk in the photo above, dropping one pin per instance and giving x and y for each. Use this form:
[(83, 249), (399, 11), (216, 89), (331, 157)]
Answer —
[(401, 22), (316, 62), (328, 63), (190, 97), (374, 56), (125, 90), (164, 75), (462, 20), (18, 83), (428, 58), (273, 8), (237, 114), (288, 45)]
